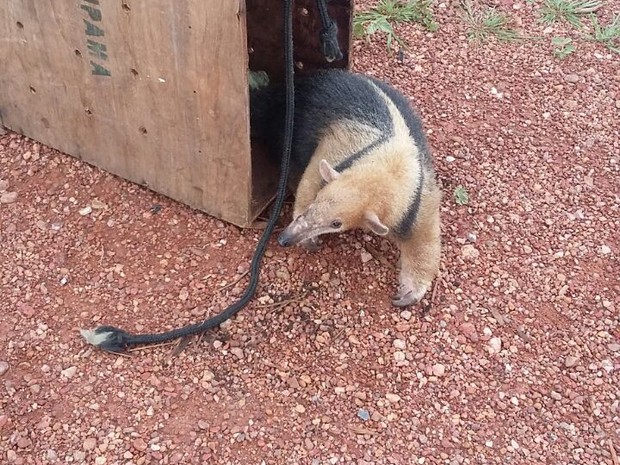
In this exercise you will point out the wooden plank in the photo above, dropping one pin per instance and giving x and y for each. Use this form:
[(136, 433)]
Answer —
[(155, 92)]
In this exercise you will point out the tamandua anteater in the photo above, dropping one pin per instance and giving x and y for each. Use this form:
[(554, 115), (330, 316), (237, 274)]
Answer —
[(360, 159)]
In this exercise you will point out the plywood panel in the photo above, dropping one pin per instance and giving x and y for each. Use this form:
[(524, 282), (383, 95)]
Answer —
[(154, 91)]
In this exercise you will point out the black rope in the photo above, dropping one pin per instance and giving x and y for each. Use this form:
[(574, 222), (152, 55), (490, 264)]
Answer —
[(117, 340), (329, 34)]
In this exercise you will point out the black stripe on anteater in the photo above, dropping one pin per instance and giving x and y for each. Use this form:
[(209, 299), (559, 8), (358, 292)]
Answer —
[(405, 225)]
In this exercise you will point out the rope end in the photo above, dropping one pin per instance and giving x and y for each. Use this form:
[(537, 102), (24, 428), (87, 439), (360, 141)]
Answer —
[(107, 338), (329, 43)]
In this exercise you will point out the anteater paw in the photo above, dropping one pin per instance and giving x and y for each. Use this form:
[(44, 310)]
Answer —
[(311, 245), (409, 292)]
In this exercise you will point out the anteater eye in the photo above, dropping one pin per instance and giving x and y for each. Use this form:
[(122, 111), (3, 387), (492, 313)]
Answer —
[(336, 224)]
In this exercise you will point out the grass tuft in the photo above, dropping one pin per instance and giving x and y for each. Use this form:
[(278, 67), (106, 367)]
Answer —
[(608, 35), (461, 196), (562, 47), (483, 23), (570, 11), (389, 12)]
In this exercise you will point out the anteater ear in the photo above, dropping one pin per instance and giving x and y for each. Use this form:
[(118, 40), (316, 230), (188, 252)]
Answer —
[(327, 172), (374, 224)]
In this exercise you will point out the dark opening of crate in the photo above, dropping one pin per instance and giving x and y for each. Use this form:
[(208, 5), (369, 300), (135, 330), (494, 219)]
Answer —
[(266, 53)]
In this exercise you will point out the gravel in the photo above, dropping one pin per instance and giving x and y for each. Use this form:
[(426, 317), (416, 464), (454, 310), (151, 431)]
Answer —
[(515, 360)]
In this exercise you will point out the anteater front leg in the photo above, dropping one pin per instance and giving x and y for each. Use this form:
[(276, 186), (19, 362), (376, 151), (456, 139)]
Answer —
[(420, 255)]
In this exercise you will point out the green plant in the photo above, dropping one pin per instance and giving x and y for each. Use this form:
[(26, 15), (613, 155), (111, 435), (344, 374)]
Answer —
[(608, 35), (461, 197), (258, 79), (486, 22), (562, 46), (388, 12), (568, 10)]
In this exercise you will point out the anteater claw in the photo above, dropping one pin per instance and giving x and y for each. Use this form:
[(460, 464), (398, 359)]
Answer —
[(409, 293), (311, 245)]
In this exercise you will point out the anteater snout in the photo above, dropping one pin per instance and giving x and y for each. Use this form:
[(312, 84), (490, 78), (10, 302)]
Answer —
[(285, 240)]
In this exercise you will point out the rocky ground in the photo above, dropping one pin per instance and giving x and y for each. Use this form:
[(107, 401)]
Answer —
[(514, 358)]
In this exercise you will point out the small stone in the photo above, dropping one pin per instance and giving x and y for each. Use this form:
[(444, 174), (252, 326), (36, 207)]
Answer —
[(571, 361), (89, 444), (399, 344), (439, 370), (69, 372), (472, 237), (300, 408), (393, 398), (469, 331), (8, 197), (139, 444), (293, 383), (399, 356), (366, 257), (613, 347), (4, 185), (100, 460), (183, 295), (406, 315), (4, 367), (555, 395), (11, 456), (363, 414), (237, 352), (450, 158), (22, 443), (495, 344), (86, 210), (572, 78), (605, 249), (469, 251), (98, 204), (283, 274)]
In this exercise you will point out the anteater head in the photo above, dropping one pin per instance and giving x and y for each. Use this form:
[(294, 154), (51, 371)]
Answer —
[(343, 204)]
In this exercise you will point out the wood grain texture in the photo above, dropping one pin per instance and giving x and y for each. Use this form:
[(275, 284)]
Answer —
[(156, 92), (165, 107)]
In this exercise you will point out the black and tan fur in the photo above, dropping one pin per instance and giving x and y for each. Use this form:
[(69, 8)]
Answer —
[(360, 159)]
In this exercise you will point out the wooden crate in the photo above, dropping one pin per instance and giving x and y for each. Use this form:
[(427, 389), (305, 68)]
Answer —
[(156, 91)]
